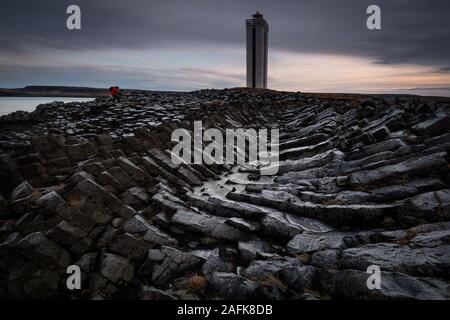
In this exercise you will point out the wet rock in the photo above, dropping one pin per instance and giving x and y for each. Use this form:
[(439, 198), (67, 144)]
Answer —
[(432, 239), (163, 159), (284, 225), (216, 264), (225, 208), (433, 262), (325, 259), (389, 145), (10, 176), (250, 250), (43, 284), (150, 293), (290, 272), (167, 202), (243, 224), (66, 234), (136, 225), (106, 178), (391, 193), (94, 168), (3, 206), (87, 262), (136, 197), (43, 251), (131, 144), (156, 236), (351, 284), (205, 224), (129, 246), (117, 223), (307, 242), (431, 206), (81, 176), (175, 262), (154, 256), (35, 173), (104, 139), (21, 191), (55, 204), (423, 165), (102, 197), (134, 171), (189, 177), (116, 269), (433, 126), (80, 151), (121, 176), (156, 170), (227, 285)]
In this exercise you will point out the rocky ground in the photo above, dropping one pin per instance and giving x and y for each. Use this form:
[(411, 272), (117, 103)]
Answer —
[(360, 183)]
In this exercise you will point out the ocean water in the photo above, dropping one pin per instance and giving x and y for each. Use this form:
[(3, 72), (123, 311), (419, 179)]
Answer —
[(11, 104)]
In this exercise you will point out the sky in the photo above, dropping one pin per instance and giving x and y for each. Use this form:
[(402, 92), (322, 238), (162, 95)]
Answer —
[(314, 46)]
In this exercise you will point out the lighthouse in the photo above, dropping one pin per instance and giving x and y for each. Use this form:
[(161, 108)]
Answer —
[(257, 51)]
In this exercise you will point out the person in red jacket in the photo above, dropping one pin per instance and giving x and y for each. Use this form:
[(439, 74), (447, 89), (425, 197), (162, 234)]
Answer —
[(115, 93)]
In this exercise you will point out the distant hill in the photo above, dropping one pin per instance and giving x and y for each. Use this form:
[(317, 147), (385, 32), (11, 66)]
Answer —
[(54, 91)]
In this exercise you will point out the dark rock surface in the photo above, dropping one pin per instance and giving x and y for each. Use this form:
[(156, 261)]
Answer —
[(361, 182)]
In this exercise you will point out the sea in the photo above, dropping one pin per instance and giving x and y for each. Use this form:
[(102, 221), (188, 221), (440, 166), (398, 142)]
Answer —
[(11, 104)]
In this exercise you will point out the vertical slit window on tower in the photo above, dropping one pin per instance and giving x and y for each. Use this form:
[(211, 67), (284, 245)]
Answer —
[(254, 58), (265, 58)]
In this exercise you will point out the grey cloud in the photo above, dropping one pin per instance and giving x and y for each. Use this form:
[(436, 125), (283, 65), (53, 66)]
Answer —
[(240, 77), (413, 31), (90, 75)]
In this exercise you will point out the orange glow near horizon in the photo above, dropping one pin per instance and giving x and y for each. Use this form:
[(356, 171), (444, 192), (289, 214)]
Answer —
[(193, 68), (332, 73)]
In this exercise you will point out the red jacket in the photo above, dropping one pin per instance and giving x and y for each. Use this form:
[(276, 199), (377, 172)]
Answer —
[(115, 91)]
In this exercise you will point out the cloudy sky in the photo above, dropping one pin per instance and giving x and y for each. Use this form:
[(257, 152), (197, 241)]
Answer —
[(320, 45)]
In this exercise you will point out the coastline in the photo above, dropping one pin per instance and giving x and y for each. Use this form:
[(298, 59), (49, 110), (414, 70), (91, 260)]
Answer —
[(54, 91)]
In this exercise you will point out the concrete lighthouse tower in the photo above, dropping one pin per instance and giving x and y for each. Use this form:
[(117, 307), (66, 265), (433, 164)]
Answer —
[(257, 50)]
